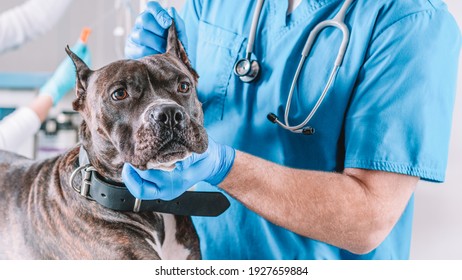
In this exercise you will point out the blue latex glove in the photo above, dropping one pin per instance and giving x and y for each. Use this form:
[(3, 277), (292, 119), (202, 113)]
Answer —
[(149, 35), (63, 79), (212, 166)]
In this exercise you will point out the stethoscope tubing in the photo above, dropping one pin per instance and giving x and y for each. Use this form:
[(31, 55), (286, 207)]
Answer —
[(306, 51), (337, 22), (253, 28)]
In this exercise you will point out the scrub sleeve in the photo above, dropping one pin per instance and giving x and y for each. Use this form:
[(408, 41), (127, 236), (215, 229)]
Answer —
[(400, 116)]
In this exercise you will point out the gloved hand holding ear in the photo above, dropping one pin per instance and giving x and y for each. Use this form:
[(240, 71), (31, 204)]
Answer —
[(149, 35)]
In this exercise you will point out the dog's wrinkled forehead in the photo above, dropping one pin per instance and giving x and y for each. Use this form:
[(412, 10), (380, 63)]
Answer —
[(124, 72), (152, 72), (166, 67)]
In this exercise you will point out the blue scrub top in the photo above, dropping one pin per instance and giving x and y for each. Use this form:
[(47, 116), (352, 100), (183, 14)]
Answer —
[(389, 109)]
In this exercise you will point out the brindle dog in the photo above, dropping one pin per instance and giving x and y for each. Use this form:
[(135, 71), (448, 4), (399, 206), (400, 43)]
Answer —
[(144, 112)]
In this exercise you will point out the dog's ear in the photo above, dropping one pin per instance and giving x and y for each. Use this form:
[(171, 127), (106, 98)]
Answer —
[(82, 75), (175, 47)]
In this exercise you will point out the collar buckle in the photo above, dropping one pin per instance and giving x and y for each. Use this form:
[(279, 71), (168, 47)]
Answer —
[(86, 180)]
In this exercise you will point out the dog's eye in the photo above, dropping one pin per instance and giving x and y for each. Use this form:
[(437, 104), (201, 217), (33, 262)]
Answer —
[(183, 87), (119, 94)]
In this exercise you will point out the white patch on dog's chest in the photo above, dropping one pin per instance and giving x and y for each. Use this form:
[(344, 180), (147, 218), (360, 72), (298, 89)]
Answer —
[(170, 249)]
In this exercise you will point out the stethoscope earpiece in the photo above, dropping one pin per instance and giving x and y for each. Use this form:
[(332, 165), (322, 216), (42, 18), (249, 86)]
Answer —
[(308, 130), (272, 117), (305, 131)]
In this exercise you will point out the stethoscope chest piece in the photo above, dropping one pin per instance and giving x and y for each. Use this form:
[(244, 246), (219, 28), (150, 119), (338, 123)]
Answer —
[(247, 70)]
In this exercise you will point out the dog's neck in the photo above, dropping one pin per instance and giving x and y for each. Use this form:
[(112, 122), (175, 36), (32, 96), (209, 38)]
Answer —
[(105, 162)]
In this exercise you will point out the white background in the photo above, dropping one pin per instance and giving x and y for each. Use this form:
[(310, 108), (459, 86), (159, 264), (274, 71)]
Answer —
[(232, 270), (438, 214), (438, 207)]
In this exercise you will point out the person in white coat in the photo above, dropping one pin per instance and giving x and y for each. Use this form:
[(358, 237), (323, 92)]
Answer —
[(18, 26), (28, 21)]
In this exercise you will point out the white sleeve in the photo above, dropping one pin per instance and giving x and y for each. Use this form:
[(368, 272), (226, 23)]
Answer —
[(29, 20), (18, 127)]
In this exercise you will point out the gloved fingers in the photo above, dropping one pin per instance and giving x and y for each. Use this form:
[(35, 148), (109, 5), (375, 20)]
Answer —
[(135, 51), (180, 26), (137, 186), (151, 30), (152, 184), (141, 43), (190, 161), (159, 13), (142, 37), (196, 158), (154, 175), (148, 36), (147, 21)]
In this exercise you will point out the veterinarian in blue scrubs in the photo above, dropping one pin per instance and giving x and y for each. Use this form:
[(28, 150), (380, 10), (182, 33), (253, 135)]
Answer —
[(346, 191)]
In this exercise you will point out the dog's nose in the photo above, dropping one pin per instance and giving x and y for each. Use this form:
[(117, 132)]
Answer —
[(169, 115)]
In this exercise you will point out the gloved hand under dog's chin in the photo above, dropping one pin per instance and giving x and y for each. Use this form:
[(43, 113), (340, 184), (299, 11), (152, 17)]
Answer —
[(212, 166)]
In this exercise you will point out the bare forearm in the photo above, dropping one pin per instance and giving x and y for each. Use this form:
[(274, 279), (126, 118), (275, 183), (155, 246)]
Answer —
[(339, 209), (41, 105)]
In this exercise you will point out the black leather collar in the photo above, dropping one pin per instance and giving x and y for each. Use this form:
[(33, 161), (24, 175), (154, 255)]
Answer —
[(117, 197)]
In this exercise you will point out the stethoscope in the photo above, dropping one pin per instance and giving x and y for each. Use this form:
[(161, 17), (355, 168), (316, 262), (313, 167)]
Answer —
[(247, 69)]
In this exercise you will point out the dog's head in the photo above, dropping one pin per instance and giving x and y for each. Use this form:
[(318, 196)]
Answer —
[(144, 112)]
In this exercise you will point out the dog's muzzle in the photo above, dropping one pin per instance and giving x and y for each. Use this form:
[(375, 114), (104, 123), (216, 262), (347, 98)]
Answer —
[(167, 116)]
